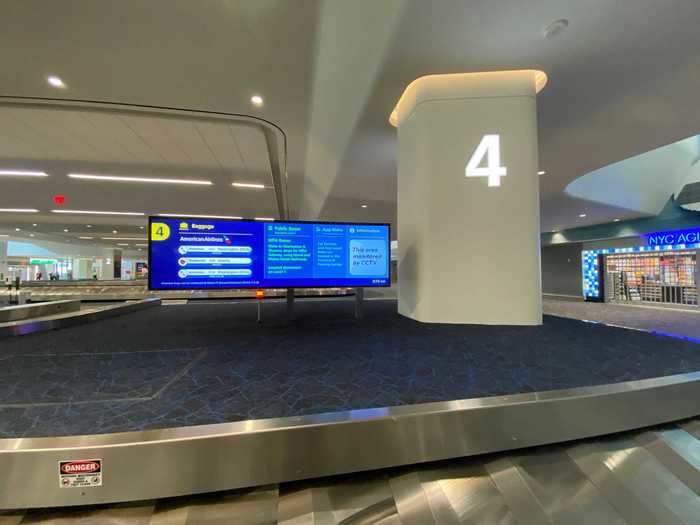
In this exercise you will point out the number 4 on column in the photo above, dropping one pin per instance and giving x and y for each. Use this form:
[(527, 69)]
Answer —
[(489, 147)]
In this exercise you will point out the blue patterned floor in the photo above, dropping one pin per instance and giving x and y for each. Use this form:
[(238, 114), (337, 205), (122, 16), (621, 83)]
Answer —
[(210, 363)]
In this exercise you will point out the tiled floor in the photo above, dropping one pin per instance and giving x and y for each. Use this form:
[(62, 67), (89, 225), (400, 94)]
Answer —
[(684, 321)]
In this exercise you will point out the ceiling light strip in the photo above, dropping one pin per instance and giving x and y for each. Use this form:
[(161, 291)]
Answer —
[(248, 185), (191, 216), (153, 180), (264, 219), (22, 173), (123, 239), (18, 210), (92, 212)]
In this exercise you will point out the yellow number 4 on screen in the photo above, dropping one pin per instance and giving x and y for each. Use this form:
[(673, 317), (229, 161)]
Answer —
[(159, 231)]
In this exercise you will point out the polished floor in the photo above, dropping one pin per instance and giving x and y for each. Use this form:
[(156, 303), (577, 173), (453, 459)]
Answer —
[(190, 364), (677, 320), (649, 477)]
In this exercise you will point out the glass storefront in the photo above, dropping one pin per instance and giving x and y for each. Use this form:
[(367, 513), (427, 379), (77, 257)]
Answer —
[(664, 271), (668, 277), (71, 269)]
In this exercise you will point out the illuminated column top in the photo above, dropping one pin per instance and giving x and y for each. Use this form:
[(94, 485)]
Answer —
[(525, 82)]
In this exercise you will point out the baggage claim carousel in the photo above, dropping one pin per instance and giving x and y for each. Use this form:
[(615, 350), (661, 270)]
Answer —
[(186, 399)]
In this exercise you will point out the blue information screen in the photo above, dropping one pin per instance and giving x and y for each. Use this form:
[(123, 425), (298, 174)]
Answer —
[(192, 254)]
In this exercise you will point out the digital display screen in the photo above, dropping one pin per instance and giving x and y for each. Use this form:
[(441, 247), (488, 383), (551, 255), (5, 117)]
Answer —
[(193, 254)]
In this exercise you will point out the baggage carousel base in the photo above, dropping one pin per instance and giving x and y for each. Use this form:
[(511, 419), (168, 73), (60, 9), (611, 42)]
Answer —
[(198, 459)]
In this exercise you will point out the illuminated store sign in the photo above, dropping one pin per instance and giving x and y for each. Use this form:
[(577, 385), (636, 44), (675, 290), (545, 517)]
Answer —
[(675, 237), (656, 242)]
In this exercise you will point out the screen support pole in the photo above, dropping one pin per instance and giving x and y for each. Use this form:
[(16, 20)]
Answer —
[(359, 297), (259, 301), (290, 304)]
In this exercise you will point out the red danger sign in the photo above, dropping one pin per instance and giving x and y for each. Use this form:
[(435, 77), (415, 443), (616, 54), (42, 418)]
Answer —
[(80, 467), (80, 473)]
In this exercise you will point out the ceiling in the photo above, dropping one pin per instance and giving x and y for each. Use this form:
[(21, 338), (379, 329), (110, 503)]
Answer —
[(622, 81), (63, 141), (642, 182)]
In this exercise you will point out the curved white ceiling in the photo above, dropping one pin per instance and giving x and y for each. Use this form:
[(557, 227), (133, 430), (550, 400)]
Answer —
[(642, 184)]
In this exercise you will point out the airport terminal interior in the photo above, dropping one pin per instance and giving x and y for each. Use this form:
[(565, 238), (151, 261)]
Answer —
[(390, 262)]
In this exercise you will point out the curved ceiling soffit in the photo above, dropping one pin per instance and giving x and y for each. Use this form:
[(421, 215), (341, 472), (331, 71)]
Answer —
[(644, 183), (275, 137), (687, 194)]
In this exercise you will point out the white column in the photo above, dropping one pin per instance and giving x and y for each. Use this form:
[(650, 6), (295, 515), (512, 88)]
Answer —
[(116, 264), (3, 260), (469, 246)]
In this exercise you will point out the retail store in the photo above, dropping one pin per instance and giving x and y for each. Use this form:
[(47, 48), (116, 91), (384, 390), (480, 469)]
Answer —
[(663, 269)]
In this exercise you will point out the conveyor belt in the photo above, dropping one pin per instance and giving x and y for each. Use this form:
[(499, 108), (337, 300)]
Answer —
[(639, 478), (137, 290)]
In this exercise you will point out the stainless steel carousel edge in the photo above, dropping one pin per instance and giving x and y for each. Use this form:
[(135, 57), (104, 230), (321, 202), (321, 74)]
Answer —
[(191, 460)]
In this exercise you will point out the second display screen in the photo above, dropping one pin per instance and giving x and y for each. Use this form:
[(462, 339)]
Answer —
[(190, 253)]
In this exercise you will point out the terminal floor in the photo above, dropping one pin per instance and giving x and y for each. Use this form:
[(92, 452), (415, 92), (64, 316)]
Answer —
[(649, 477), (681, 320), (205, 363)]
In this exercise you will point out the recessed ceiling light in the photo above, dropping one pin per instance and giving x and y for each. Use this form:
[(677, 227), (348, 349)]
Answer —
[(18, 210), (123, 239), (541, 172), (34, 225), (56, 82), (137, 244), (18, 229), (122, 244), (65, 230), (248, 185), (154, 180), (199, 216), (582, 215), (264, 219), (257, 100), (616, 220), (86, 238), (88, 225), (141, 227), (90, 212), (115, 231), (22, 173), (3, 235), (31, 235), (364, 205)]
